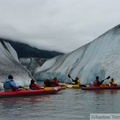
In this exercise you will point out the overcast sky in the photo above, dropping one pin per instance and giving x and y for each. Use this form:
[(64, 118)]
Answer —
[(62, 25)]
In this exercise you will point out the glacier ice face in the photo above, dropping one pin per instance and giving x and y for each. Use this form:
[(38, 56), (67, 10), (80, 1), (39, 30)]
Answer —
[(9, 64), (98, 58), (32, 63)]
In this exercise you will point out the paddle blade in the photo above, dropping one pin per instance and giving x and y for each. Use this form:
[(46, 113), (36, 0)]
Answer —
[(69, 76), (108, 77)]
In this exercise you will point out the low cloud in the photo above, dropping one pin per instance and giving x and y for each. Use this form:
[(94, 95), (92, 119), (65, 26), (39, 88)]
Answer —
[(62, 25)]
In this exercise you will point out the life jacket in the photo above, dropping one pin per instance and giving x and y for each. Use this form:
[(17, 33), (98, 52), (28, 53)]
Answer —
[(96, 83), (103, 84), (113, 83), (47, 83), (7, 85), (55, 83), (34, 86), (78, 81)]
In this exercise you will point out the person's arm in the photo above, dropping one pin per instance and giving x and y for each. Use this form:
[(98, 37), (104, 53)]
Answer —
[(13, 84), (73, 80)]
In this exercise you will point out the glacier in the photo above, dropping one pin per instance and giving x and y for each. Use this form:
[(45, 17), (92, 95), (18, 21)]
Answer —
[(10, 64), (100, 57), (32, 63)]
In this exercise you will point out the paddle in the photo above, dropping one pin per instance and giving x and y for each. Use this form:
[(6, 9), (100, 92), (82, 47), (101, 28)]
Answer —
[(105, 79), (70, 76), (73, 79)]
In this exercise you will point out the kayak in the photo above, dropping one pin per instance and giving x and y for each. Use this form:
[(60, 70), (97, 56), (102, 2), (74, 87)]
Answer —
[(19, 93), (62, 87), (99, 87), (70, 85)]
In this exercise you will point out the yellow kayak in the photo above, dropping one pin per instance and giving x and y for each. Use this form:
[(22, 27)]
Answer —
[(56, 87), (70, 85)]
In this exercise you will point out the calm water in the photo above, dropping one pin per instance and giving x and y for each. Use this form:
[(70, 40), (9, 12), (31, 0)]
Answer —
[(69, 104)]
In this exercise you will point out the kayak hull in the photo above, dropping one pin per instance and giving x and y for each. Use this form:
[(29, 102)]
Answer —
[(70, 85), (30, 92), (100, 87), (62, 87)]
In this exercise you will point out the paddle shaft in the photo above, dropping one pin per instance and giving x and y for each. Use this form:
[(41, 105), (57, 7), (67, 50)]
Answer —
[(105, 79), (82, 85), (70, 76)]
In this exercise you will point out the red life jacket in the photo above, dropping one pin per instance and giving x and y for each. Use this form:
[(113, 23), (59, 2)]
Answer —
[(96, 83), (34, 86), (47, 83), (55, 83)]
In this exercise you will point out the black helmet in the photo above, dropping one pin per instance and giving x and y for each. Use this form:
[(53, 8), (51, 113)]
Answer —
[(10, 77)]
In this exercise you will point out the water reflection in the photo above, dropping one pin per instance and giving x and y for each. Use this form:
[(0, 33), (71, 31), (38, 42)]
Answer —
[(8, 103), (103, 100), (104, 91)]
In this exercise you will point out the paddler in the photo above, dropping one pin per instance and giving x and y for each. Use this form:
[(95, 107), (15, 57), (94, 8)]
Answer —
[(97, 82), (33, 85), (10, 85), (112, 82), (55, 82), (76, 81), (101, 83)]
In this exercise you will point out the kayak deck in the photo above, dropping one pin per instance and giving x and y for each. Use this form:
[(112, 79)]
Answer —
[(69, 85), (100, 87), (30, 92), (72, 86)]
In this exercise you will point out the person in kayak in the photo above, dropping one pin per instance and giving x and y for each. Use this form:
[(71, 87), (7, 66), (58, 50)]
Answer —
[(112, 82), (97, 82), (55, 82), (10, 85), (33, 85), (47, 83), (76, 81)]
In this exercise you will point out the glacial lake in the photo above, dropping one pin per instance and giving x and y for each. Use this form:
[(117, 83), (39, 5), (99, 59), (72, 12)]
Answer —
[(68, 104)]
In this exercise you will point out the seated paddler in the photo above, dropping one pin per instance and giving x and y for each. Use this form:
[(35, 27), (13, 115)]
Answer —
[(10, 85), (76, 81)]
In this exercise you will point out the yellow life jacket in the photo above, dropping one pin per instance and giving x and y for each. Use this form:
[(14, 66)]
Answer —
[(78, 81), (112, 82), (103, 84)]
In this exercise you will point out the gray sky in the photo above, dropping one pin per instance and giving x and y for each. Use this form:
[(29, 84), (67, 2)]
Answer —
[(62, 25)]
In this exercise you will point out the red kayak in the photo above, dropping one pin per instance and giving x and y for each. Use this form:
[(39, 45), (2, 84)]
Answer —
[(43, 91), (99, 87)]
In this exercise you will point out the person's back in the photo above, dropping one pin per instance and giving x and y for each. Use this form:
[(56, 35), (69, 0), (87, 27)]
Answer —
[(7, 85), (55, 82), (34, 86), (97, 82), (47, 83), (10, 85)]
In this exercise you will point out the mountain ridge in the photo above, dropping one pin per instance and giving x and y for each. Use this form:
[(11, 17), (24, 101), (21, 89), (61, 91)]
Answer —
[(26, 51)]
